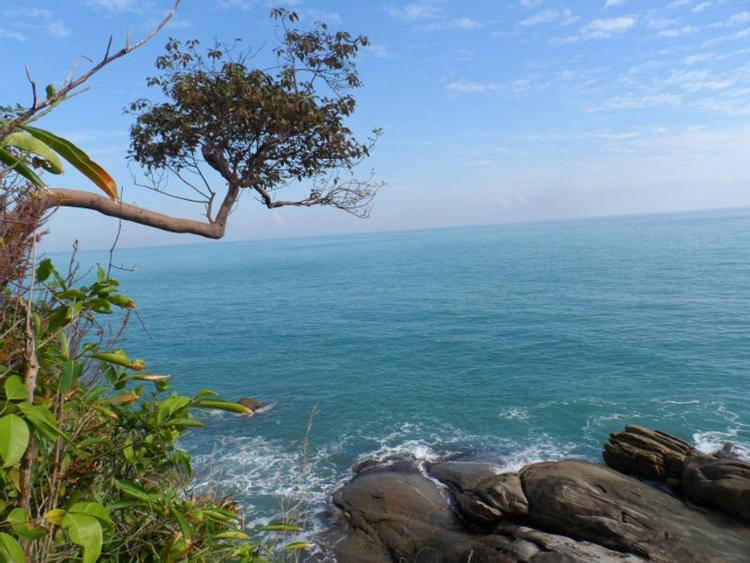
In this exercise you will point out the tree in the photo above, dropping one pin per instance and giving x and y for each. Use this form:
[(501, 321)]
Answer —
[(260, 130)]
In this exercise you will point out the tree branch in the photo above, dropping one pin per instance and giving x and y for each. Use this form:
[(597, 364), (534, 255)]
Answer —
[(62, 197), (40, 104)]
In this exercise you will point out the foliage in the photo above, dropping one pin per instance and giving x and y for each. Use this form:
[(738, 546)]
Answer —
[(259, 129), (90, 464)]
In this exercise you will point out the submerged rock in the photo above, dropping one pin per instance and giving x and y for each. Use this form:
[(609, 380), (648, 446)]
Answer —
[(252, 404)]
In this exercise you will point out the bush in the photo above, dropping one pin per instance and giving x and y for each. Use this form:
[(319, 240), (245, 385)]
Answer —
[(91, 466)]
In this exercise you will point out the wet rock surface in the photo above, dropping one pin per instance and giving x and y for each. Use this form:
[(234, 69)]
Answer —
[(568, 511)]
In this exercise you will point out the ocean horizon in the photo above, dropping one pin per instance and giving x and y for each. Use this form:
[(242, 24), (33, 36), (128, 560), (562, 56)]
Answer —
[(527, 341)]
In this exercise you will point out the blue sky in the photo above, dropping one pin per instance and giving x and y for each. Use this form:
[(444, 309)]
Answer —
[(492, 111)]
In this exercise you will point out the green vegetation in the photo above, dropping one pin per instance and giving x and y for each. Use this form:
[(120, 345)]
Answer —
[(90, 464)]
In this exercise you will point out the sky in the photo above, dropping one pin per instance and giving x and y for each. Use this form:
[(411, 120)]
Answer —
[(492, 111)]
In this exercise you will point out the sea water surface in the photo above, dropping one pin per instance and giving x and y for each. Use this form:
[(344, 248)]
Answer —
[(530, 342)]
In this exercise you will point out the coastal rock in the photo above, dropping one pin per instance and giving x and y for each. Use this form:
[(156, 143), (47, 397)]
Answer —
[(589, 502), (399, 515), (714, 481), (649, 454), (481, 494), (720, 483), (250, 403)]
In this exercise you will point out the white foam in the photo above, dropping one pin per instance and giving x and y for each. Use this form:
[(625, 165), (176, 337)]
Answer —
[(514, 413), (711, 442)]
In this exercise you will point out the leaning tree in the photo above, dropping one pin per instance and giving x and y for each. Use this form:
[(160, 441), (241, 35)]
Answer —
[(227, 128)]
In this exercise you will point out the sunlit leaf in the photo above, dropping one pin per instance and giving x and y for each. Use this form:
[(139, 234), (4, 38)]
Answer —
[(79, 159), (86, 531), (14, 439), (10, 550), (19, 167), (27, 143), (15, 390)]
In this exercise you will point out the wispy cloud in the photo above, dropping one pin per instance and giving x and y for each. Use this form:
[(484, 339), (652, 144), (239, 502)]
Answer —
[(10, 34), (613, 3), (114, 5), (415, 12), (564, 17)]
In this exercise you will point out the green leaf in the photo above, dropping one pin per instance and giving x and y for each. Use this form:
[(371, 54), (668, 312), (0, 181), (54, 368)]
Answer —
[(19, 167), (19, 521), (77, 158), (72, 370), (86, 531), (92, 509), (10, 550), (182, 523), (222, 405), (181, 423), (14, 439), (234, 535), (27, 143), (44, 270), (174, 404), (280, 527), (297, 546), (43, 420), (119, 358), (15, 390), (134, 490)]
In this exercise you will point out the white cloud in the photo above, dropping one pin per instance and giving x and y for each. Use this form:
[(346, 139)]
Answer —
[(414, 12), (114, 5), (698, 8), (613, 3), (530, 3), (545, 16), (464, 87), (698, 58), (564, 17), (677, 32), (602, 29), (57, 29), (9, 34), (466, 24), (34, 13), (739, 18)]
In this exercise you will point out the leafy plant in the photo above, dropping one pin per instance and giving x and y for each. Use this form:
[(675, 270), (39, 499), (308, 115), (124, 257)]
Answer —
[(91, 467)]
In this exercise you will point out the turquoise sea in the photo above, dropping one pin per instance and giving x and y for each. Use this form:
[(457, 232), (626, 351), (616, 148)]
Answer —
[(527, 341)]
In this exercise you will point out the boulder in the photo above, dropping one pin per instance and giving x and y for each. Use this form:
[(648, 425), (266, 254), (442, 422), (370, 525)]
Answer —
[(403, 516), (720, 483), (589, 502), (482, 495), (649, 454)]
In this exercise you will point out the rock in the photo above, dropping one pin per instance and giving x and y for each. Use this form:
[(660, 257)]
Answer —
[(250, 403), (403, 516), (715, 481), (481, 495), (728, 451), (505, 492), (589, 502), (723, 484), (647, 453)]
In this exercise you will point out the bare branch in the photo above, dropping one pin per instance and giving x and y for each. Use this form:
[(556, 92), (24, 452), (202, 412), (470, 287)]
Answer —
[(49, 101)]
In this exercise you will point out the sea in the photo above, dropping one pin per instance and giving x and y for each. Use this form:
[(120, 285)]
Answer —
[(522, 342)]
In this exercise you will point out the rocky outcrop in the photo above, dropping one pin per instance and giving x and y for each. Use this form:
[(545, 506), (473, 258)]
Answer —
[(403, 516), (714, 481), (569, 511), (649, 454)]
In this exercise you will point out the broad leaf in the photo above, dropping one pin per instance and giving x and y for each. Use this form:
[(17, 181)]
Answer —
[(10, 550), (77, 158), (92, 509), (43, 420), (86, 531), (15, 390), (14, 439), (133, 490)]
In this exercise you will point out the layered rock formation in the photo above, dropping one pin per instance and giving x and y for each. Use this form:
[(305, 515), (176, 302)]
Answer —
[(568, 511)]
